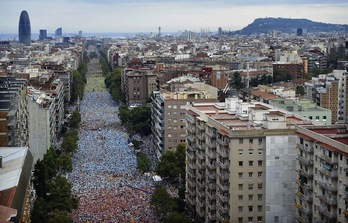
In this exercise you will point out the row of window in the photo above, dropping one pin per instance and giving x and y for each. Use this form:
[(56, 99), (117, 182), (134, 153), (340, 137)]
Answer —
[(251, 163), (175, 127), (250, 197), (175, 120), (250, 208), (250, 152), (250, 219), (251, 174), (176, 113), (251, 141), (250, 186), (175, 106)]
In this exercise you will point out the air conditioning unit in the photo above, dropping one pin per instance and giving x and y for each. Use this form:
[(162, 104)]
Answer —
[(335, 166)]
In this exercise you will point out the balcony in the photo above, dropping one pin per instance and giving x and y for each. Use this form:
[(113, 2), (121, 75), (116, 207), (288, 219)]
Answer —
[(305, 197), (223, 175), (223, 152), (190, 201), (211, 144), (191, 165), (211, 154), (200, 146), (211, 195), (307, 187), (327, 200), (200, 174), (223, 186), (200, 155), (200, 185), (346, 169), (304, 148), (212, 216), (191, 138), (223, 142), (211, 206), (326, 213), (224, 165), (190, 155), (327, 186), (211, 166), (200, 126), (222, 209), (306, 210), (308, 174), (211, 186), (332, 174), (305, 161), (211, 133), (211, 175), (190, 118), (200, 136), (191, 129), (303, 219), (329, 160)]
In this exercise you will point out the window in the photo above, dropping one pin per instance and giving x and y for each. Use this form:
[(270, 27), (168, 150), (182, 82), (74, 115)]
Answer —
[(259, 186), (259, 163), (240, 175), (250, 186), (316, 118), (259, 174), (276, 219), (240, 141), (240, 197), (324, 118), (251, 151), (251, 141), (169, 106), (240, 186), (250, 208), (259, 208), (250, 219), (259, 197), (260, 141), (240, 208), (260, 151), (310, 117), (169, 135), (240, 220), (259, 219), (251, 163), (169, 113), (240, 163), (250, 196), (174, 106), (240, 152), (250, 174)]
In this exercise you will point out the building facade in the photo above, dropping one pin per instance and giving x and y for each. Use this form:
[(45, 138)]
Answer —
[(24, 29), (241, 162), (322, 169)]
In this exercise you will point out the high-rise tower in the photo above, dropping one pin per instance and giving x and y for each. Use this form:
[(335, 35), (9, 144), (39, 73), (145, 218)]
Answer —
[(24, 30)]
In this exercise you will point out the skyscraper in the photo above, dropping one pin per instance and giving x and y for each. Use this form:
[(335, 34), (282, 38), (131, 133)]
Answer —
[(59, 32), (43, 34), (299, 32), (24, 30)]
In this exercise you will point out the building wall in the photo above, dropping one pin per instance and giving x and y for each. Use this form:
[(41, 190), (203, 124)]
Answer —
[(329, 99), (280, 178)]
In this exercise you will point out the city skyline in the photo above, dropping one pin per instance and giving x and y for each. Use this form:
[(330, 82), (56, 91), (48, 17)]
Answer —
[(106, 16)]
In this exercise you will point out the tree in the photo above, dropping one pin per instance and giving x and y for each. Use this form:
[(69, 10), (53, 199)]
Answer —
[(236, 81), (75, 119), (172, 164), (162, 201), (300, 90), (143, 163), (65, 162), (174, 217), (58, 216)]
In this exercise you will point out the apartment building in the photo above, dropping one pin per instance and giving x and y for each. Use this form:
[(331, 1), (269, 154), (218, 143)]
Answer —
[(42, 123), (241, 162), (295, 70), (13, 112), (168, 113), (322, 174), (53, 87)]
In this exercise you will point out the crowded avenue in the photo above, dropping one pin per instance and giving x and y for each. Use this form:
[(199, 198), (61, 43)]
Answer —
[(104, 176)]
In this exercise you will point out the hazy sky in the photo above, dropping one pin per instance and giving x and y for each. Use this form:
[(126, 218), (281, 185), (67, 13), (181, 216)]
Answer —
[(171, 15)]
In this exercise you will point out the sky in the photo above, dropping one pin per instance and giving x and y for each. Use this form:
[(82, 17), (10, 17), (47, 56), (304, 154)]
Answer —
[(115, 16)]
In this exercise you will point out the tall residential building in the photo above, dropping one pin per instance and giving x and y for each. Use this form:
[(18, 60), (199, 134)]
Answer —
[(241, 162), (299, 32), (43, 34), (24, 29), (322, 168), (168, 113), (42, 123), (13, 112), (53, 87)]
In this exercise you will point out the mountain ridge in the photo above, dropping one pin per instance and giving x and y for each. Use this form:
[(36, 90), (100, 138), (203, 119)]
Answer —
[(289, 25)]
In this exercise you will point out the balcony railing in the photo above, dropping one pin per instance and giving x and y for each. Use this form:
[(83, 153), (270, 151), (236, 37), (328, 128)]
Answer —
[(332, 174), (223, 142), (327, 186), (211, 166), (199, 136), (222, 209), (306, 210), (302, 219), (223, 186), (329, 160), (305, 161), (211, 154), (190, 155), (305, 197), (211, 134), (223, 175), (224, 165), (307, 174), (212, 216), (223, 152), (325, 212), (211, 175), (191, 138), (211, 144), (327, 200), (211, 186), (305, 148), (211, 206)]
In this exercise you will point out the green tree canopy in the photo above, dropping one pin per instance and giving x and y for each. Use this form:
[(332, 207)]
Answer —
[(162, 201)]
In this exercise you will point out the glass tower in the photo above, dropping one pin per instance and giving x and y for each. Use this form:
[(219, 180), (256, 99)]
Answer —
[(24, 30)]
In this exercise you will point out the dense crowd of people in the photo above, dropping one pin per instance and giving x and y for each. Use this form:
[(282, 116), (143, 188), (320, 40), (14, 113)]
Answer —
[(104, 176)]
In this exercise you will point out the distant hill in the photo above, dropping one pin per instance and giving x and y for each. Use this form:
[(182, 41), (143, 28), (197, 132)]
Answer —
[(263, 25)]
